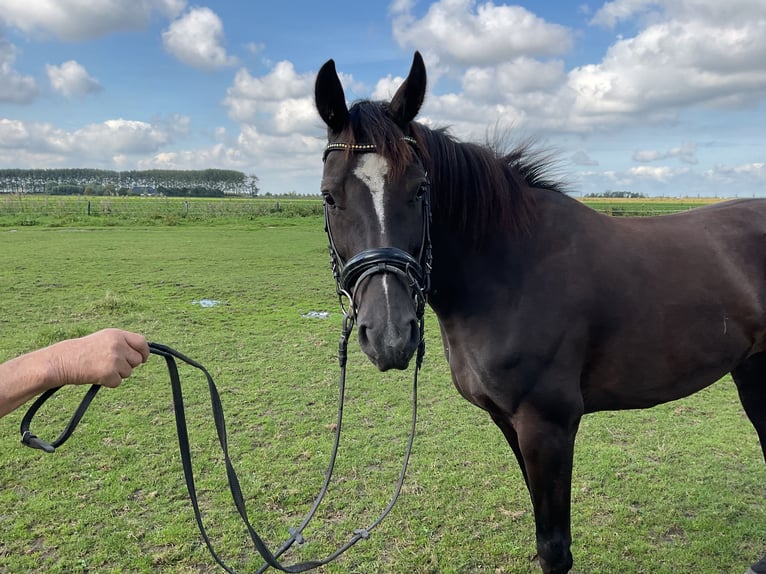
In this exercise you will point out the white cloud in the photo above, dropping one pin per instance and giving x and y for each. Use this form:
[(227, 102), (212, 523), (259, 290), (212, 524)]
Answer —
[(581, 157), (731, 12), (659, 173), (295, 115), (611, 13), (99, 142), (283, 162), (14, 88), (670, 66), (197, 38), (72, 79), (119, 136), (462, 32), (721, 180), (751, 172), (687, 54), (77, 20), (686, 152), (386, 87), (278, 92), (518, 76)]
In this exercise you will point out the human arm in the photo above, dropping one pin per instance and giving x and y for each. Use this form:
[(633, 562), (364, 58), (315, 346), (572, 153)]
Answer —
[(102, 358)]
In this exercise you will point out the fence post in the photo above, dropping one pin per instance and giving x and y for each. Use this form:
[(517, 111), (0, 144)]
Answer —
[(89, 208)]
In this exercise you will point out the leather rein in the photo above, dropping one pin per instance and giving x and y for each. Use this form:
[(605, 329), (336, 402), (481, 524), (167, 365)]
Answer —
[(348, 275)]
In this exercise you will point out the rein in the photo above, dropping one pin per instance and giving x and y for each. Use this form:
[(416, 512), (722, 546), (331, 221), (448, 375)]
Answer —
[(270, 558), (348, 275)]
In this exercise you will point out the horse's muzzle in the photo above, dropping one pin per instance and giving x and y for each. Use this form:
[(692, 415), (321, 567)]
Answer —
[(390, 326)]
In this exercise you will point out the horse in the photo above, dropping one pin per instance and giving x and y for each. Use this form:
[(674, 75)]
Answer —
[(548, 310)]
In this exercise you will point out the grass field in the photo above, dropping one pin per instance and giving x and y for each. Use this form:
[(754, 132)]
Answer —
[(677, 488), (58, 211)]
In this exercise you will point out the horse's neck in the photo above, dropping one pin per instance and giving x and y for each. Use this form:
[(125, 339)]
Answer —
[(465, 276)]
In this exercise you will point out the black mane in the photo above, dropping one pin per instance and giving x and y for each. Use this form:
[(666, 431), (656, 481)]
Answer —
[(477, 190)]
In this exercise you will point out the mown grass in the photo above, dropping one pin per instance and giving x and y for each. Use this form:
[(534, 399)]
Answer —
[(644, 206), (30, 210), (675, 488), (33, 210)]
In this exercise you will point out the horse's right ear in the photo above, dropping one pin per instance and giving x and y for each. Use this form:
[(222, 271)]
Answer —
[(330, 99)]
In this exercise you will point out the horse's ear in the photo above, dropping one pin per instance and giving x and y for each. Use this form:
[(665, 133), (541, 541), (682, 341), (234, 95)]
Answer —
[(407, 100), (329, 98)]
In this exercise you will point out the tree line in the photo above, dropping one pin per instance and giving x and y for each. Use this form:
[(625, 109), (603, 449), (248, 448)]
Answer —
[(616, 195), (168, 182)]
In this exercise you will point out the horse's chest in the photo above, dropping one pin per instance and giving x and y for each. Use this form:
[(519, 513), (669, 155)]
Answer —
[(473, 371)]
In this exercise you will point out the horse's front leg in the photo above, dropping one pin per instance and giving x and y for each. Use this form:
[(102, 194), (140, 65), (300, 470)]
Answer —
[(546, 435)]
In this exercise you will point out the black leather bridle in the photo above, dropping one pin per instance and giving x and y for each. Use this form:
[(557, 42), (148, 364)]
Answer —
[(416, 272)]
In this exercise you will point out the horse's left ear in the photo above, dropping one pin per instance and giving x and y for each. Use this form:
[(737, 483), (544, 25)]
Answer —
[(407, 100)]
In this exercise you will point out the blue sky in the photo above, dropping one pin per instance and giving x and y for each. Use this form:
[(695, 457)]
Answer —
[(663, 97)]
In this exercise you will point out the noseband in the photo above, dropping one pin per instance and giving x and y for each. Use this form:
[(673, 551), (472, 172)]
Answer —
[(349, 275)]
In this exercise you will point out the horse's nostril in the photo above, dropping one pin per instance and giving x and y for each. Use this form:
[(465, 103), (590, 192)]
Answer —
[(415, 333), (363, 336)]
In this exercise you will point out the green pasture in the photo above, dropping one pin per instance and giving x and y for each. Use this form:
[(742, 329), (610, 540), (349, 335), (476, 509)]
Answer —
[(677, 488), (31, 210), (37, 210)]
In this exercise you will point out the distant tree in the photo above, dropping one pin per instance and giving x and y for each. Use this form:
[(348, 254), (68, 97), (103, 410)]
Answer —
[(617, 195), (185, 183)]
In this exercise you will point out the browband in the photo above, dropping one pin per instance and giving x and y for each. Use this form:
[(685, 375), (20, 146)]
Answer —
[(362, 148)]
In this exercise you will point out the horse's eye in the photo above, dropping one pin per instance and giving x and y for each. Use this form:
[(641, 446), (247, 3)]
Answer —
[(329, 200), (422, 190)]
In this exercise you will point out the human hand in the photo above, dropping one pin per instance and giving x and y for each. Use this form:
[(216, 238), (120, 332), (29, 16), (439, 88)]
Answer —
[(102, 358)]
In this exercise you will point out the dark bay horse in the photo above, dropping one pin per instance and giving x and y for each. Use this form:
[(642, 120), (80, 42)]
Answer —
[(548, 310)]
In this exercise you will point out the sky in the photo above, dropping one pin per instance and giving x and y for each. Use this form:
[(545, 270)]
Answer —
[(660, 97)]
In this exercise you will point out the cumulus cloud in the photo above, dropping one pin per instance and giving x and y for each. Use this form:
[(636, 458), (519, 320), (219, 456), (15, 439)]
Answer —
[(72, 79), (518, 76), (673, 65), (686, 54), (75, 20), (462, 32), (99, 142), (722, 13), (659, 173), (581, 157), (197, 38), (282, 98), (692, 53), (14, 87), (611, 13), (284, 162), (750, 172), (686, 152)]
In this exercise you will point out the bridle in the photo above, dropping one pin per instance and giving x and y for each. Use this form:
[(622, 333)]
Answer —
[(348, 276), (415, 272)]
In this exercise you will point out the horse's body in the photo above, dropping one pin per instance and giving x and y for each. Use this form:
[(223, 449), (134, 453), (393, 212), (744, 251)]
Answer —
[(548, 309), (632, 312)]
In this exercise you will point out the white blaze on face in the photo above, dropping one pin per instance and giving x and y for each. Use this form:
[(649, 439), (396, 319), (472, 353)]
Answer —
[(372, 171)]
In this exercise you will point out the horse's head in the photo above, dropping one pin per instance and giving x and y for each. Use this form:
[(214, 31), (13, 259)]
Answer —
[(375, 191)]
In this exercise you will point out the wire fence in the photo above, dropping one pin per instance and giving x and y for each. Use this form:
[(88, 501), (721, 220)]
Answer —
[(147, 209), (32, 209)]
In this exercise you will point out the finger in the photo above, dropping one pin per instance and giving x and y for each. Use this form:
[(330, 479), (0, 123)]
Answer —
[(134, 358), (138, 343), (124, 369), (113, 379)]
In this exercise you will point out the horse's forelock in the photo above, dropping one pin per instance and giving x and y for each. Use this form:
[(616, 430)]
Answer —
[(370, 123)]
